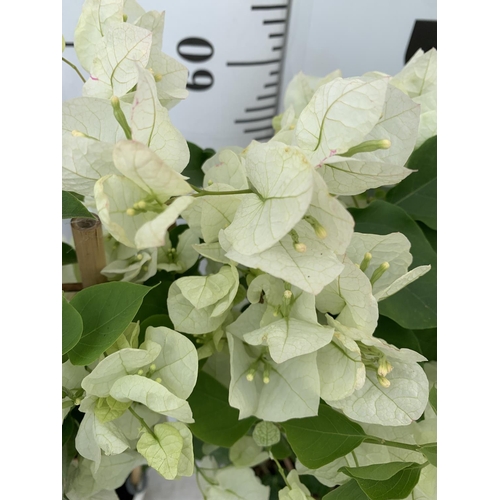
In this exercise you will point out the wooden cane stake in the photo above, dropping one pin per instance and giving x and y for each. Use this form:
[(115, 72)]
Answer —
[(89, 247)]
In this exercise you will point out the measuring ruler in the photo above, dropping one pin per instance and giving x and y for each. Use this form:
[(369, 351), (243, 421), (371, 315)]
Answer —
[(234, 51)]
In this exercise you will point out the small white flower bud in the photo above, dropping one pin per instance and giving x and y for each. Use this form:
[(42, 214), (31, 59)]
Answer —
[(300, 247), (383, 381), (320, 232)]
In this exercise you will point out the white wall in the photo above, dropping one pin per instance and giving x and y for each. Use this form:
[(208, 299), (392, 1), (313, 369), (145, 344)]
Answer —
[(355, 36)]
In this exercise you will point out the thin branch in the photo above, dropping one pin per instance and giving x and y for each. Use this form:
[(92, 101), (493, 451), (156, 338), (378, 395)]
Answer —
[(143, 422), (75, 68)]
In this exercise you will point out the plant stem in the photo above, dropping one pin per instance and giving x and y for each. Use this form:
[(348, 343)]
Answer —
[(280, 469), (202, 192), (207, 479), (75, 68), (142, 421), (393, 444), (355, 201)]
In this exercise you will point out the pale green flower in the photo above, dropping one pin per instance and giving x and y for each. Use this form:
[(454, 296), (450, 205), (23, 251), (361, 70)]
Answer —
[(296, 490), (291, 391), (85, 484), (90, 131), (132, 206), (160, 374), (418, 79), (230, 483), (302, 87), (282, 181), (136, 269), (392, 249), (200, 304), (180, 258)]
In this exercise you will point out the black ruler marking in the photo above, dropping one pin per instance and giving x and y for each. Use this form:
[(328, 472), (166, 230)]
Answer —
[(260, 97), (274, 21), (250, 120), (274, 84), (70, 44), (260, 129), (253, 63), (276, 35), (263, 138), (269, 7), (272, 73), (260, 108), (277, 48)]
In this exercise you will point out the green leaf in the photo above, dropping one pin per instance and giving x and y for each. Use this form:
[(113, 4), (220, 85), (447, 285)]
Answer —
[(414, 307), (68, 254), (68, 450), (430, 234), (71, 207), (155, 301), (155, 320), (417, 194), (348, 491), (215, 421), (433, 399), (106, 309), (320, 440), (396, 335), (72, 326), (68, 429), (430, 452), (197, 157), (282, 449), (390, 481), (428, 342)]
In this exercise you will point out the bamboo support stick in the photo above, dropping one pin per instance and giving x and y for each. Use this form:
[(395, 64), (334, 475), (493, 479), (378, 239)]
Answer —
[(136, 476), (89, 247)]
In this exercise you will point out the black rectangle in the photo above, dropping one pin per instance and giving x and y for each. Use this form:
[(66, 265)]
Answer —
[(253, 63)]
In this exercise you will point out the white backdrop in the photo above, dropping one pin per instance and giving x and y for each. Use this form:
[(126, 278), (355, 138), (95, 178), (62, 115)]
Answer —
[(248, 65)]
